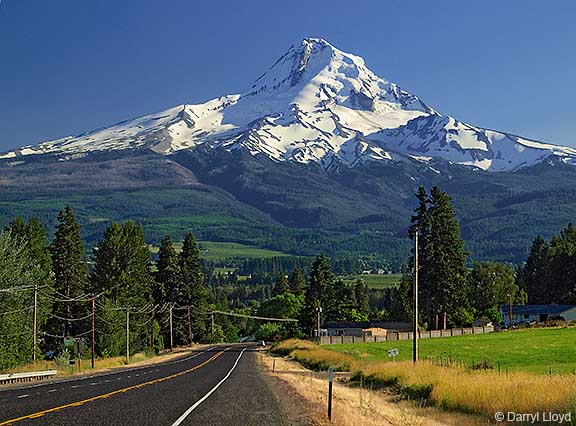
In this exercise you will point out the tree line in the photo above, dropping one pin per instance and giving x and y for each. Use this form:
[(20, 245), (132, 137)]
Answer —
[(119, 287), (549, 274), (163, 303)]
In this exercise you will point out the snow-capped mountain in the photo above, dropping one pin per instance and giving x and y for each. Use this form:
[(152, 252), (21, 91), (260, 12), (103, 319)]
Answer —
[(315, 104)]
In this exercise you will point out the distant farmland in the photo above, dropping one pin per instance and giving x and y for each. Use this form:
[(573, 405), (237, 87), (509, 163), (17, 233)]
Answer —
[(375, 281), (217, 250)]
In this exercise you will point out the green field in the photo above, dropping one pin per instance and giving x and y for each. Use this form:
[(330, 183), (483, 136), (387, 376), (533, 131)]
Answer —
[(217, 250), (375, 281), (212, 250), (541, 350)]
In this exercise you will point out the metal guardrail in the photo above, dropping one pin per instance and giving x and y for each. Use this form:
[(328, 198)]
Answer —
[(26, 377)]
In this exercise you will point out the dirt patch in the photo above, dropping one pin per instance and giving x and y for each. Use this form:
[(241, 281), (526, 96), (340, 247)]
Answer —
[(296, 409)]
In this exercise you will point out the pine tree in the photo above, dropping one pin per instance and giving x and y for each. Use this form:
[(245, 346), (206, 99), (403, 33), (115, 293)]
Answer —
[(192, 291), (122, 266), (535, 272), (320, 279), (421, 223), (168, 274), (361, 296), (443, 274), (122, 277), (70, 273), (561, 287), (281, 286), (445, 261), (297, 282)]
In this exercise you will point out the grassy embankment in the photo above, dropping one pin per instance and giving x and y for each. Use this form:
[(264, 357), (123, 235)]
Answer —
[(100, 364), (457, 387)]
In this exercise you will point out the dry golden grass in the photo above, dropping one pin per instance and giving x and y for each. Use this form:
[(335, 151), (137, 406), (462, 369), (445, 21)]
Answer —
[(100, 364), (355, 405), (482, 392)]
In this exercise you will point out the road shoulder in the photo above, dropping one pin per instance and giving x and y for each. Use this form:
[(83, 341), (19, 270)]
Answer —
[(303, 391)]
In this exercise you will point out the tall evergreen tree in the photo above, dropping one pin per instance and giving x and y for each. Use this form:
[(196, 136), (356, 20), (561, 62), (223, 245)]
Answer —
[(535, 272), (168, 273), (70, 273), (122, 276), (281, 286), (361, 296), (320, 279), (192, 291), (122, 266), (446, 260), (421, 223), (443, 274), (297, 282), (561, 288)]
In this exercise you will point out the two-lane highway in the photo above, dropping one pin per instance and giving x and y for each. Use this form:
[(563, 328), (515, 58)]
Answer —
[(215, 386)]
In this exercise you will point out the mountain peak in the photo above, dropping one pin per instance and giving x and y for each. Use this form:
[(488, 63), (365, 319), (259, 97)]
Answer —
[(302, 62), (316, 103)]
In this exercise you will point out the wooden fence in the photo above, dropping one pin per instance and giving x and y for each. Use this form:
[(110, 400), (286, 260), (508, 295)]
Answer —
[(404, 335)]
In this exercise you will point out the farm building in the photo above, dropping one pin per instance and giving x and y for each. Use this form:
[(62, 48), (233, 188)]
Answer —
[(364, 328), (538, 313)]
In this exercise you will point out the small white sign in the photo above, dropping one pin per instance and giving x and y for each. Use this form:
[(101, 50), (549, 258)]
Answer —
[(393, 352)]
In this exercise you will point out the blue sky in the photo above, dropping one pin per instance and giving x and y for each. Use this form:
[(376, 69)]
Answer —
[(68, 66)]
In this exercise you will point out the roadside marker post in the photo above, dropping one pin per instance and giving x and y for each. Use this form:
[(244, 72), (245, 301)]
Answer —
[(330, 380), (392, 353)]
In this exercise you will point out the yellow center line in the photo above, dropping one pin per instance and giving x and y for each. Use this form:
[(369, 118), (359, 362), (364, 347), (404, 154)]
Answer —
[(106, 395)]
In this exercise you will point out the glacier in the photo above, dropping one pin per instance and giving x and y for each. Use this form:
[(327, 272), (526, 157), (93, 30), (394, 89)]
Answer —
[(315, 104)]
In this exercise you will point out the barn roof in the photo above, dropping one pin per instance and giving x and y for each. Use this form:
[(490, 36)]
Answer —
[(537, 309)]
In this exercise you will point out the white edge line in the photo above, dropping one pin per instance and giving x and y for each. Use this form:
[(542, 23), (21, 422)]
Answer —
[(210, 392)]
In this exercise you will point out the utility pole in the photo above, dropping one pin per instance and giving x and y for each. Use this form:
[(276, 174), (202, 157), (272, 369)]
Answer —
[(127, 335), (34, 338), (510, 311), (212, 317), (152, 329), (171, 335), (318, 312), (415, 298), (93, 328), (189, 327)]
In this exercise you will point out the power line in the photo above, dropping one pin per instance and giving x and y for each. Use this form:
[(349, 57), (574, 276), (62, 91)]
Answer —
[(20, 288), (67, 337), (71, 319), (233, 314)]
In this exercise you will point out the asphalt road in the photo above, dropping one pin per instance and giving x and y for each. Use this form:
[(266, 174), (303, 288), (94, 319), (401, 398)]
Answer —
[(216, 386)]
